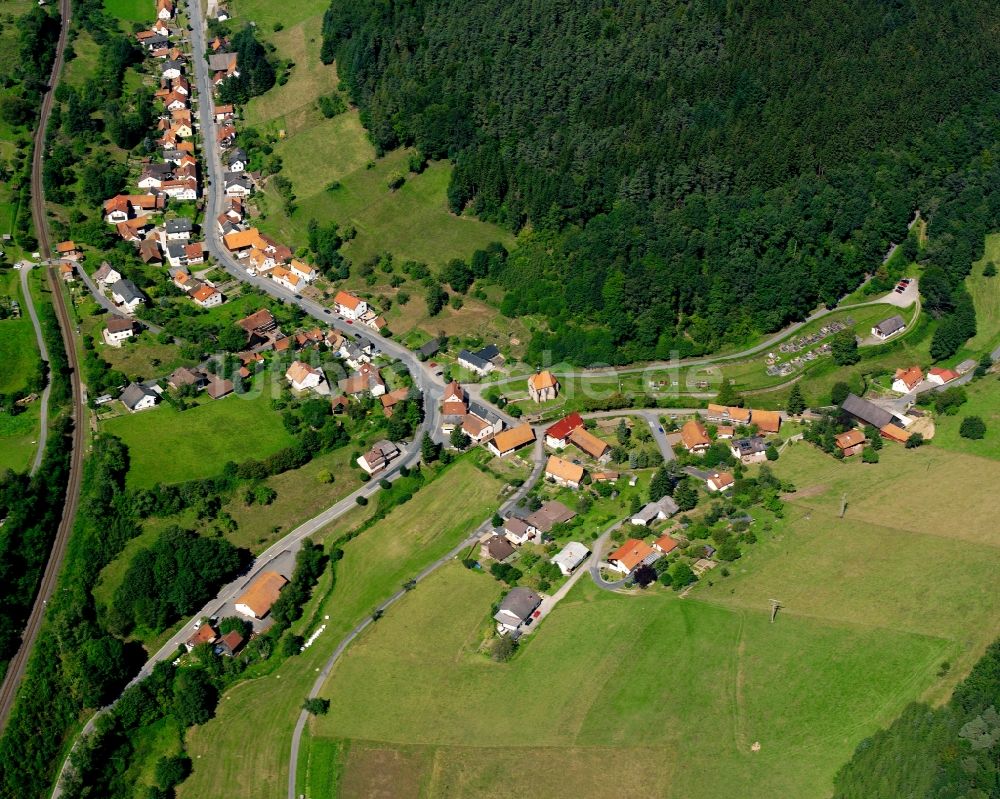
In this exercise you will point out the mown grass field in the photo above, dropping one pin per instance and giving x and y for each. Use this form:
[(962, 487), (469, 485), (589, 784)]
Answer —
[(628, 680), (984, 402), (18, 351), (264, 13), (244, 750), (130, 10), (872, 605), (167, 446), (18, 438)]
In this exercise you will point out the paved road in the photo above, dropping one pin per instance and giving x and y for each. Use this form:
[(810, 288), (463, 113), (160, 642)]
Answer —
[(43, 433), (596, 561), (18, 663), (105, 302), (538, 458), (686, 363)]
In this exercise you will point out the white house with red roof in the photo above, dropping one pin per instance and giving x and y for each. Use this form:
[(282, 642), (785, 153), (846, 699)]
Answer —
[(905, 380), (939, 376), (349, 305), (557, 436)]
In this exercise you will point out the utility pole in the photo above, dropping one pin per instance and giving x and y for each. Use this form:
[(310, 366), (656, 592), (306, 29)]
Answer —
[(843, 506), (775, 604)]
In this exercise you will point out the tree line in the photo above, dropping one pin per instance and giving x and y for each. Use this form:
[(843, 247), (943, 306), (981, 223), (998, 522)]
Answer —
[(695, 177)]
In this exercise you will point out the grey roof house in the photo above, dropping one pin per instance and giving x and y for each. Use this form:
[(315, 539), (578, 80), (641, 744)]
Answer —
[(178, 227), (889, 327), (137, 397), (867, 412), (663, 508), (516, 609)]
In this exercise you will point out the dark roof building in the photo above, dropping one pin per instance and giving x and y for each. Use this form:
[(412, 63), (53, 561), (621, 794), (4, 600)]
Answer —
[(867, 412), (179, 225), (134, 394), (889, 326), (744, 447), (430, 348), (517, 607), (498, 548)]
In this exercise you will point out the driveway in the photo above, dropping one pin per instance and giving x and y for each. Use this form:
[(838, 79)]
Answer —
[(652, 417), (597, 553)]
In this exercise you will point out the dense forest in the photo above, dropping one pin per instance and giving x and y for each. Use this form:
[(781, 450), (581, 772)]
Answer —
[(691, 172), (950, 751)]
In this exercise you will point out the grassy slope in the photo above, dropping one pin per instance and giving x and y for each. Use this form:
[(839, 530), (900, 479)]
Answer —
[(244, 750), (985, 293), (867, 619), (611, 677), (984, 401), (18, 358), (130, 10), (169, 446)]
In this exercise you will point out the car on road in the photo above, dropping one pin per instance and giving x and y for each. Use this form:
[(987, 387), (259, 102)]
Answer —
[(326, 310), (298, 296), (350, 321), (659, 427)]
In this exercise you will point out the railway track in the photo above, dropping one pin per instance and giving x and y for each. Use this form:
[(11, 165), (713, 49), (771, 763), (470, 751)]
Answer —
[(15, 671)]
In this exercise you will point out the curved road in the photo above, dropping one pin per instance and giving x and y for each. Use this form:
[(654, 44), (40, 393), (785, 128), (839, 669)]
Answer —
[(538, 456), (43, 433), (15, 671)]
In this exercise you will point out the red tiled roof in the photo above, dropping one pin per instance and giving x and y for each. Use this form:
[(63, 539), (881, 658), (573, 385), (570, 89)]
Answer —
[(565, 426)]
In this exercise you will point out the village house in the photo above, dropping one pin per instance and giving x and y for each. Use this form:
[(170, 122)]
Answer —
[(518, 531), (348, 305), (557, 436), (229, 644), (127, 295), (724, 432), (149, 251), (453, 407), (631, 555), (238, 184), (179, 229), (481, 423), (223, 113), (694, 436), (905, 380), (205, 634), (391, 399), (665, 544), (543, 386), (366, 381), (261, 328), (236, 160), (106, 275), (67, 273), (482, 362), (549, 515), (893, 432), (153, 175), (749, 450), (123, 207), (866, 412), (302, 271), (889, 327), (939, 376), (767, 421), (728, 414), (589, 444), (563, 472), (217, 387), (68, 250), (496, 548), (516, 609), (260, 597), (663, 508), (185, 376), (509, 441), (164, 9), (117, 330), (570, 557), (137, 397), (379, 456), (171, 69), (719, 481), (206, 296), (284, 277), (850, 443), (303, 377)]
